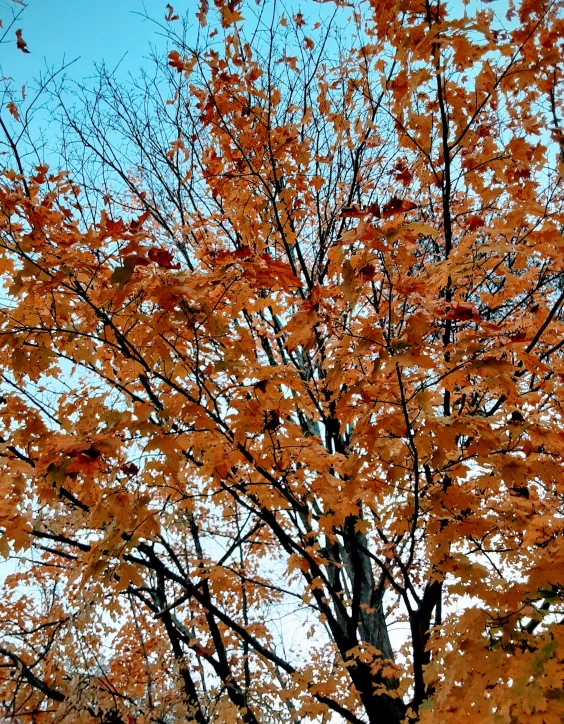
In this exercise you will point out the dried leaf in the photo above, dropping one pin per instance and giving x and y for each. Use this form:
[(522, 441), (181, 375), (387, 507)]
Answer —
[(163, 258), (14, 111), (170, 14), (20, 42)]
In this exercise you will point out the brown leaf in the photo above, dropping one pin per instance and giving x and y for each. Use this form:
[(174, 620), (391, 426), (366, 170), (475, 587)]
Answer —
[(368, 271), (202, 13), (271, 419), (354, 212), (402, 173), (397, 206), (170, 16), (20, 42), (121, 275), (129, 469), (175, 61), (134, 260), (14, 112), (461, 312)]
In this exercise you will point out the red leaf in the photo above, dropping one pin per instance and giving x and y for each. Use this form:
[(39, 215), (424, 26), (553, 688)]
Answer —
[(518, 336), (20, 42), (474, 222), (41, 175), (368, 271), (397, 206), (402, 173), (243, 252), (461, 312), (136, 224), (163, 258), (354, 212), (129, 469), (135, 260)]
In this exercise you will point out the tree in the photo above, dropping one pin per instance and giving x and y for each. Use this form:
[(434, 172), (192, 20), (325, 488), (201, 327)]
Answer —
[(282, 352)]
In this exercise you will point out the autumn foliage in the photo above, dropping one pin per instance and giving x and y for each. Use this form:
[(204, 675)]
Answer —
[(283, 376)]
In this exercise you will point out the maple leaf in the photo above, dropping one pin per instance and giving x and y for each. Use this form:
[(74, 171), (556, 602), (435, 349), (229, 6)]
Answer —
[(291, 61), (163, 258), (41, 175), (20, 42), (402, 173), (230, 14), (354, 212), (368, 271), (397, 206), (181, 63), (175, 61), (461, 312), (474, 222), (326, 416)]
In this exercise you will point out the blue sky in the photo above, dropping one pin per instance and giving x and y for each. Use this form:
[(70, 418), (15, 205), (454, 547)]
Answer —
[(95, 30)]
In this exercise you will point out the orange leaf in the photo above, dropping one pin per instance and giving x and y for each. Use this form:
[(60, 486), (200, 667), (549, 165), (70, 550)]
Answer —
[(181, 63), (202, 13), (12, 107), (229, 15), (290, 60)]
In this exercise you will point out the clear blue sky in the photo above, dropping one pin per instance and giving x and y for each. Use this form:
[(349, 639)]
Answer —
[(95, 30)]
